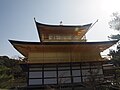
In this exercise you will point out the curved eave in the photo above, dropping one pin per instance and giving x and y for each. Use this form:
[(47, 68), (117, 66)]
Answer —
[(73, 26), (13, 42), (61, 43), (25, 47)]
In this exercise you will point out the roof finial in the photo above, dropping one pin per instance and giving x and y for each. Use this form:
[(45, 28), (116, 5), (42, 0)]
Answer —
[(34, 19), (60, 22), (94, 24)]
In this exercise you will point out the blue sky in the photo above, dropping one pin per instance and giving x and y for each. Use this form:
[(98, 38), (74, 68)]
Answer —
[(17, 18)]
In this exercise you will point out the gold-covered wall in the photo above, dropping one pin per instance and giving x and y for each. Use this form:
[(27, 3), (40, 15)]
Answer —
[(60, 57)]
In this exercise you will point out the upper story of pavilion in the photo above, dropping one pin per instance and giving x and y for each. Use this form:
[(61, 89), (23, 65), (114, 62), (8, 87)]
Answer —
[(62, 33)]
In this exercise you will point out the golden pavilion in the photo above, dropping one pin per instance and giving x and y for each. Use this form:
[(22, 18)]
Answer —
[(62, 58)]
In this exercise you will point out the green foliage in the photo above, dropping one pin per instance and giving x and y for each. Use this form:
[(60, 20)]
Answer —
[(115, 22), (114, 36), (11, 73), (115, 56), (5, 77)]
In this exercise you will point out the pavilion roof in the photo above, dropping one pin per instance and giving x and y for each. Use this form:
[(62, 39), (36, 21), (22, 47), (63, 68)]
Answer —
[(25, 47)]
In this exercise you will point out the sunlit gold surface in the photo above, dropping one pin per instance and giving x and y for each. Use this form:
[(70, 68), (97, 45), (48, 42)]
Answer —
[(62, 53)]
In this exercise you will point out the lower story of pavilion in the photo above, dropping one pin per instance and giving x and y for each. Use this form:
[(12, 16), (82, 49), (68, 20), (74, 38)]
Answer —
[(67, 76)]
